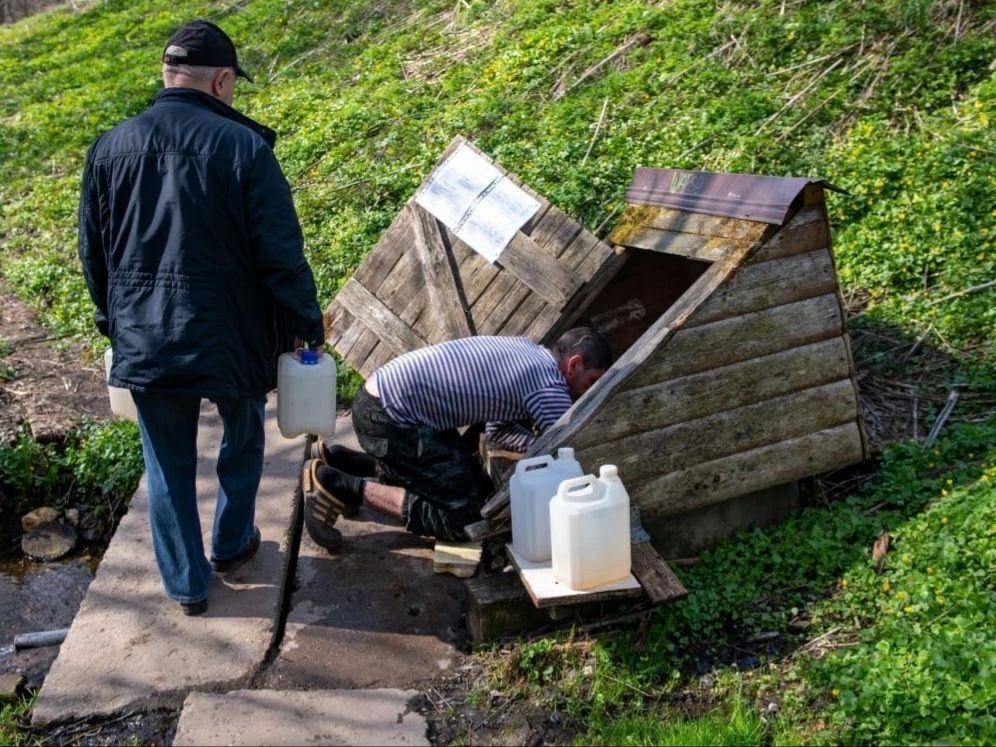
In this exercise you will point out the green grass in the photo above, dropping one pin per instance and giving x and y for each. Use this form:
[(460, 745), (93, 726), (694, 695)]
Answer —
[(740, 724), (903, 657), (892, 100), (12, 717)]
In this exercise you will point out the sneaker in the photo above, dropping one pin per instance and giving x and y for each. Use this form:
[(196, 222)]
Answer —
[(225, 566), (194, 608), (321, 508)]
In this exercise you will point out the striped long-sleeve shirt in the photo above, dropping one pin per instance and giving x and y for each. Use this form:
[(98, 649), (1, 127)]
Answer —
[(474, 380)]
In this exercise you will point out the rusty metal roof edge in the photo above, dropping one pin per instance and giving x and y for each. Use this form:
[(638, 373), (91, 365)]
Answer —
[(766, 199)]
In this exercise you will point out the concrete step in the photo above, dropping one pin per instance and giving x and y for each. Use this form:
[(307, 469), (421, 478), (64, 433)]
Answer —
[(130, 645), (292, 717)]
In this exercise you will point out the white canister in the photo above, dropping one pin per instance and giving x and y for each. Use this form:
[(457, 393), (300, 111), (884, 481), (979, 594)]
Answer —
[(306, 394), (122, 403), (589, 530), (531, 489)]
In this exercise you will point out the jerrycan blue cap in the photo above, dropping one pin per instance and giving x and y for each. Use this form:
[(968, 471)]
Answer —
[(310, 357)]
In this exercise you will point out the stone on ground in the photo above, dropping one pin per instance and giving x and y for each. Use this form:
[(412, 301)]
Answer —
[(11, 687), (41, 515), (319, 717), (374, 614), (130, 645), (49, 541)]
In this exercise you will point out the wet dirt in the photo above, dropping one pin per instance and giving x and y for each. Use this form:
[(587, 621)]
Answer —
[(36, 597)]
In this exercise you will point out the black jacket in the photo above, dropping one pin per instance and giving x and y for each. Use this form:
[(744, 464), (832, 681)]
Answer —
[(192, 250)]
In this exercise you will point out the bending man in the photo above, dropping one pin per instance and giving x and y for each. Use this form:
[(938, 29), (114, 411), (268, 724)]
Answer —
[(406, 419)]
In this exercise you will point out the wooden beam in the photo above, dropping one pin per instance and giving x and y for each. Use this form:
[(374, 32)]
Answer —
[(742, 338), (654, 453), (446, 298), (655, 575), (695, 396), (774, 283), (749, 471), (539, 270), (628, 363), (379, 319), (805, 232), (638, 217), (692, 245)]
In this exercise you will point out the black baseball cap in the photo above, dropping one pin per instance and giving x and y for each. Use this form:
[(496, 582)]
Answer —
[(202, 43)]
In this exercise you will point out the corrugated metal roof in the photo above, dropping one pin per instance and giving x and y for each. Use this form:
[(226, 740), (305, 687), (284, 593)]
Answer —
[(767, 199)]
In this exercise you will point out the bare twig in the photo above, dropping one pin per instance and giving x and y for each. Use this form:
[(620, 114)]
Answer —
[(965, 292), (598, 129), (638, 40), (942, 418), (809, 86)]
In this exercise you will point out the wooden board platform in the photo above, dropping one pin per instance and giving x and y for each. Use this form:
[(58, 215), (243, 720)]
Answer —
[(546, 591)]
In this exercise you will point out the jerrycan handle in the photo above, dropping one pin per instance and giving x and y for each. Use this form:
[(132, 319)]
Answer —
[(581, 489), (533, 463)]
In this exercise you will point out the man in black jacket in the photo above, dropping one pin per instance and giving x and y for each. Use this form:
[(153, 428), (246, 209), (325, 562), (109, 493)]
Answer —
[(193, 256)]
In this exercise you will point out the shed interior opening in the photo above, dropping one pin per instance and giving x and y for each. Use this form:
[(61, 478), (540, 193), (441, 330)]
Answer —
[(644, 288)]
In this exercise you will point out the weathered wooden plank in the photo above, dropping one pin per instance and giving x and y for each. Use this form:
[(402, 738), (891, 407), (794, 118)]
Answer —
[(546, 591), (691, 397), (514, 301), (655, 575), (747, 472), (633, 360), (337, 320), (446, 300), (774, 283), (541, 271), (505, 292), (696, 246), (378, 318), (805, 232), (683, 445), (638, 217), (548, 330), (741, 338), (392, 245), (403, 287)]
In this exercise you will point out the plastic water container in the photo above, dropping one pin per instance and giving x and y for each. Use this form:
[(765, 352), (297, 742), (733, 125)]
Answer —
[(306, 394), (589, 523), (122, 403), (531, 489)]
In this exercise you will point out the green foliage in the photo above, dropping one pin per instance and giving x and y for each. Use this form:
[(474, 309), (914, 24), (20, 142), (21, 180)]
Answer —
[(98, 465), (737, 723), (916, 660), (13, 719), (365, 96)]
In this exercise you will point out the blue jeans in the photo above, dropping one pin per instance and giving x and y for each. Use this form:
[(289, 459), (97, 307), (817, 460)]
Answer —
[(168, 424)]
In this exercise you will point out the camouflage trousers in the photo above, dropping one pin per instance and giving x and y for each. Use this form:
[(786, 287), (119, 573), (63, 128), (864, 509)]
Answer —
[(445, 484)]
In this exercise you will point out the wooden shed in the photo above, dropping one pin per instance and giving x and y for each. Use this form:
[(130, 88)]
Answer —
[(720, 301)]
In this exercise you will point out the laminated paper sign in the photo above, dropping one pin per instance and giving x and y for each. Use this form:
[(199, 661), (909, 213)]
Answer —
[(477, 202)]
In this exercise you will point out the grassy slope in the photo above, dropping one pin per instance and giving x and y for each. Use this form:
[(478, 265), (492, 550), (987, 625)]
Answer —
[(894, 102)]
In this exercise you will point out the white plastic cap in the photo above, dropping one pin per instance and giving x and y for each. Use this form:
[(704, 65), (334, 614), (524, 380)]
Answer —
[(608, 470), (565, 453)]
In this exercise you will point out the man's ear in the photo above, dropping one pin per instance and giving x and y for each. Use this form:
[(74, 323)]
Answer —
[(575, 363)]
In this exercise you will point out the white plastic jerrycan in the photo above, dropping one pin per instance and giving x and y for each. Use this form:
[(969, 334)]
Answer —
[(306, 394), (589, 530), (531, 489), (122, 403)]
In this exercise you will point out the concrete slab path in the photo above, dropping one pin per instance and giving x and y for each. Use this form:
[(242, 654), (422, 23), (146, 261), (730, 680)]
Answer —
[(130, 645), (372, 615), (319, 717)]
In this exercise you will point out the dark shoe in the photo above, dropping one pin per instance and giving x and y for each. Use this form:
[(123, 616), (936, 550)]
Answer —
[(348, 460), (321, 508), (194, 608), (225, 566)]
